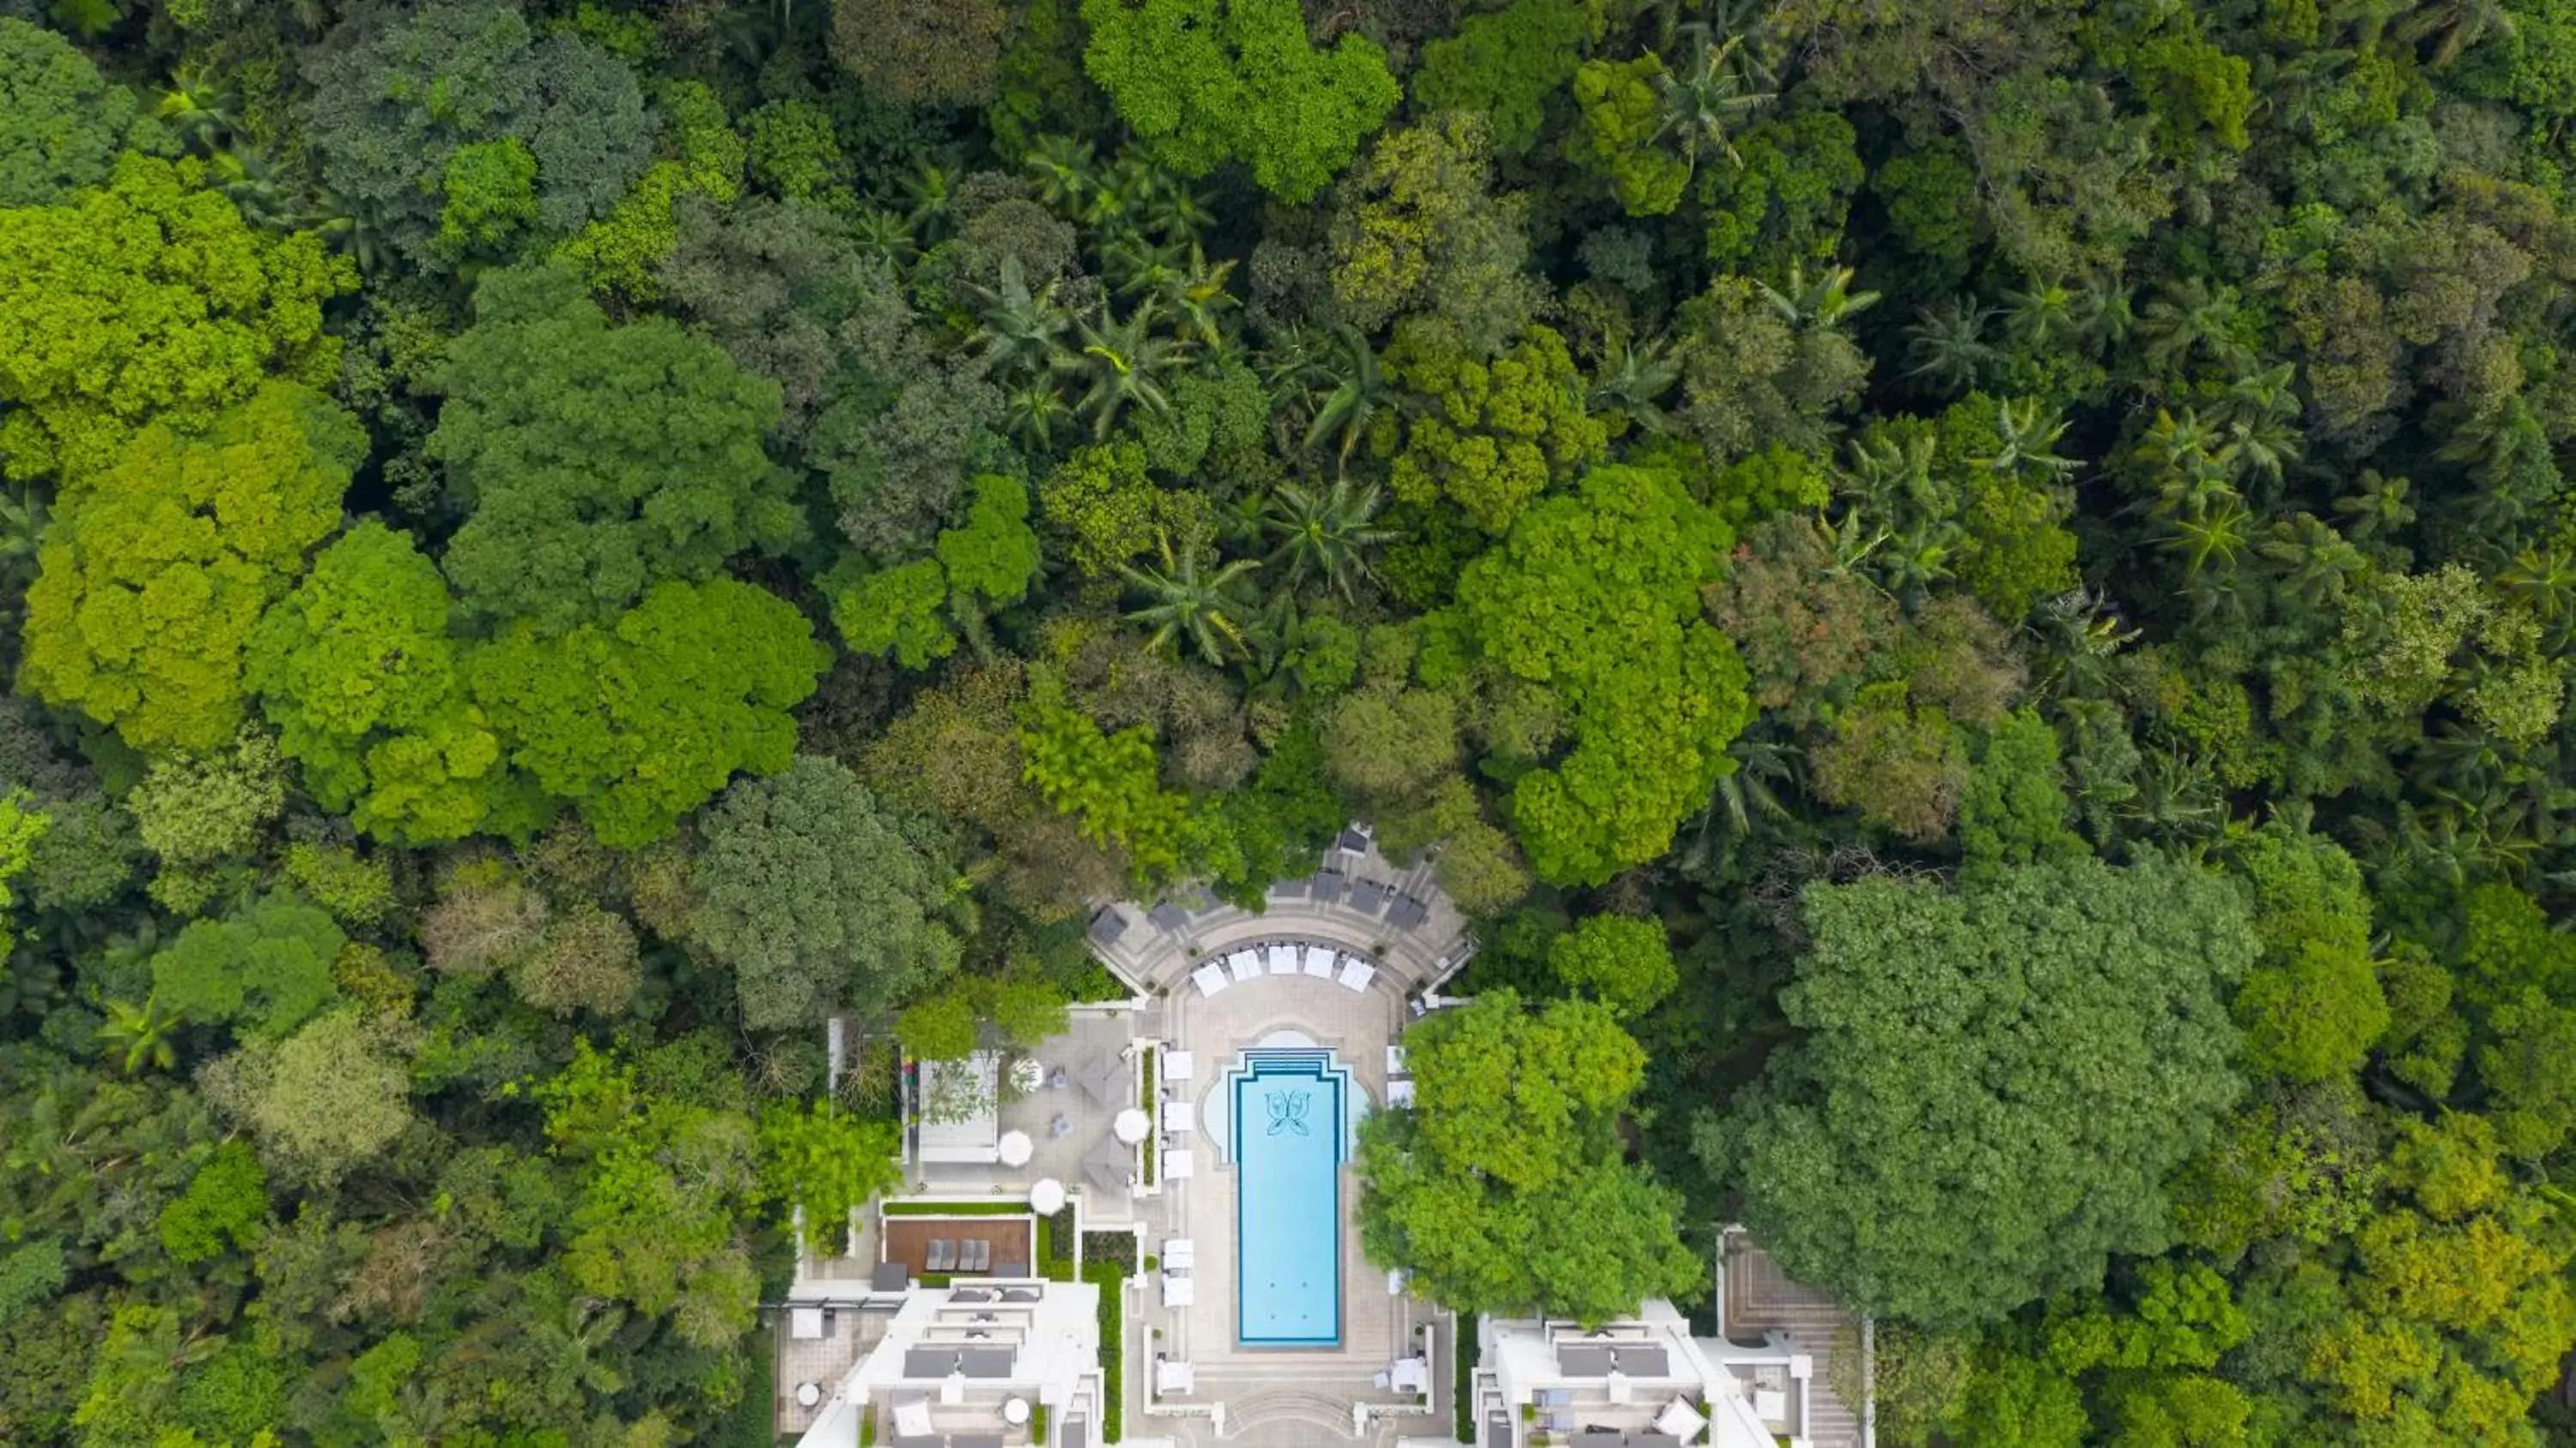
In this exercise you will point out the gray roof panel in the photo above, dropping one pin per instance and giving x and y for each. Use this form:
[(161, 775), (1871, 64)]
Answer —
[(1576, 1361), (1645, 1362)]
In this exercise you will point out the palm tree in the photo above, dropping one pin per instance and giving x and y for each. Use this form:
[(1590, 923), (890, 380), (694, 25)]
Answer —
[(1125, 362), (1164, 201), (2310, 560), (1828, 301), (1179, 276), (1066, 171), (2459, 24), (1749, 798), (2076, 637), (1705, 98), (2214, 534), (1032, 413), (2542, 578), (886, 236), (139, 1036), (1947, 344), (352, 227), (1360, 392), (252, 182), (1325, 531), (1293, 364), (928, 193), (1023, 331), (2178, 443), (2024, 432), (198, 107), (2261, 413), (2379, 511), (2042, 313), (1633, 381), (1137, 264), (2189, 317), (2176, 799), (1187, 603)]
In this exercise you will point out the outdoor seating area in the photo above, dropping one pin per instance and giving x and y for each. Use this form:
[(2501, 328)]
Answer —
[(1261, 960), (934, 1247)]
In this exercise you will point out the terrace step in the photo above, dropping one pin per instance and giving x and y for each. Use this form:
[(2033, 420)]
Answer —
[(1273, 1406)]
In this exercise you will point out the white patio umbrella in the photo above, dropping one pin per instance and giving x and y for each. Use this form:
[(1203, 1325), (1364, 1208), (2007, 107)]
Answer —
[(1047, 1197), (1131, 1126), (1016, 1148)]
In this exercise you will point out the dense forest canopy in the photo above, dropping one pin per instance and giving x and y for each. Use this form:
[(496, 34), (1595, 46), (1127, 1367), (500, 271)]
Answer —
[(1973, 597)]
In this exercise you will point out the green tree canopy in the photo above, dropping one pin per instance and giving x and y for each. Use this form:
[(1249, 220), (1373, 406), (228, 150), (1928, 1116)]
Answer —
[(60, 124), (1505, 64), (638, 722), (2312, 1006), (915, 608), (1512, 1136), (1596, 598), (667, 1181), (1210, 81), (1495, 434), (147, 298), (1622, 962), (399, 90), (323, 1100), (159, 567), (1994, 1084), (265, 969), (357, 671), (819, 898), (1419, 229), (1523, 1097), (600, 460)]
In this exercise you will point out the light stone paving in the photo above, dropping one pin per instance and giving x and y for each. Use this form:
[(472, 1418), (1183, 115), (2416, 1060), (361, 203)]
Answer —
[(1282, 1395)]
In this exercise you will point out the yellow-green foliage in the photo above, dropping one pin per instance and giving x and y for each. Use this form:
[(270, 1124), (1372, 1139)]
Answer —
[(147, 298), (157, 568), (1496, 433)]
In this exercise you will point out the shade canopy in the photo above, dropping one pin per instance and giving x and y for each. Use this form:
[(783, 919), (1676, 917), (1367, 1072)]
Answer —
[(1132, 1126), (1016, 1148), (1104, 1076), (1109, 1165), (1047, 1197)]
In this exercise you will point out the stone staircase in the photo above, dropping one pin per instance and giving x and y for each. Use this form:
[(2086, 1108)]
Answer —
[(1274, 1407)]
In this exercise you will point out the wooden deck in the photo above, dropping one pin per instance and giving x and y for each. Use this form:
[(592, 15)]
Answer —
[(1014, 1239), (1761, 1300)]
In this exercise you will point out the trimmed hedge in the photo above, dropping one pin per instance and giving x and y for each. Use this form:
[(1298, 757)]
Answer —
[(1111, 1278)]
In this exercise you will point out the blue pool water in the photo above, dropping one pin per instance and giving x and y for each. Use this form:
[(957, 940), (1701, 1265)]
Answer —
[(1288, 1135)]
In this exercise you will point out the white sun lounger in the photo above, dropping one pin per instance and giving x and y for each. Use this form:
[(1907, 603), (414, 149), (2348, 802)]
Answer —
[(1319, 961), (1246, 964), (1210, 978), (1283, 960), (1357, 974)]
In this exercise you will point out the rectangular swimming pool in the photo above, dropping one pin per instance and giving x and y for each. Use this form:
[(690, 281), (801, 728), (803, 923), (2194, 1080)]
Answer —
[(1288, 1220)]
